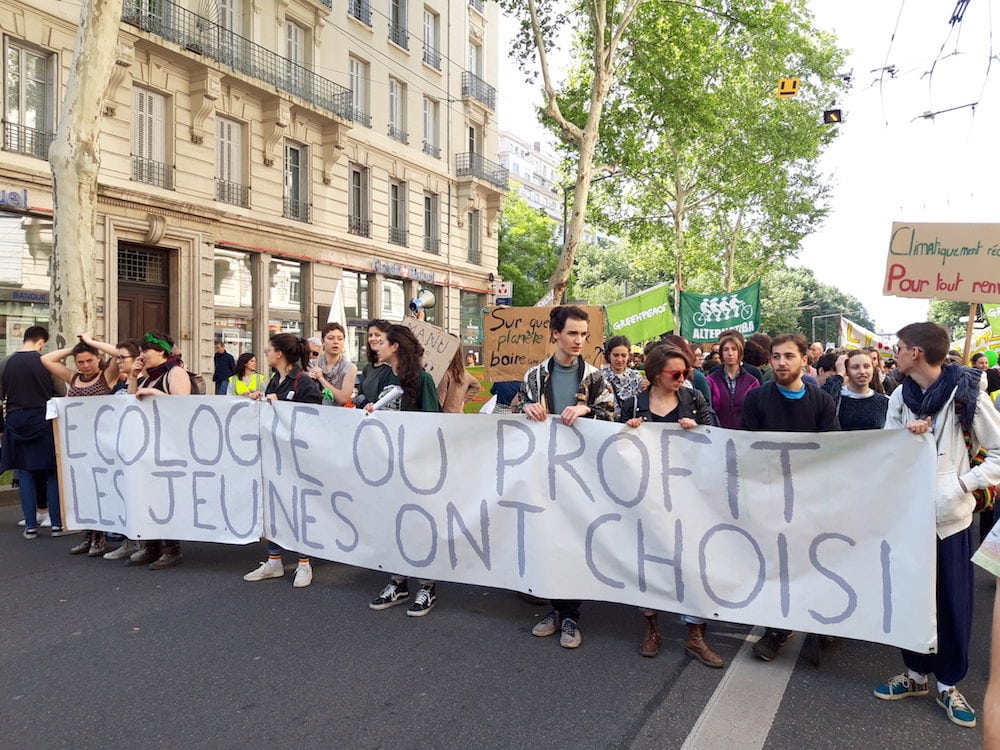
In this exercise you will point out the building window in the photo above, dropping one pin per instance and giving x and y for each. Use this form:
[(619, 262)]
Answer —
[(398, 33), (361, 10), (398, 234), (296, 182), (472, 244), (431, 128), (432, 36), (229, 181), (357, 75), (475, 140), (356, 313), (295, 53), (284, 297), (234, 300), (432, 224), (475, 58), (231, 15), (470, 316), (397, 111), (358, 217), (29, 101), (393, 300), (149, 139)]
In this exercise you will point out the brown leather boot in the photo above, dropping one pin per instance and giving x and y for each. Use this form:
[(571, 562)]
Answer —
[(83, 547), (652, 641), (696, 647)]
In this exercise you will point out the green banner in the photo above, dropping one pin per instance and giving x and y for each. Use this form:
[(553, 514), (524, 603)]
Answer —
[(992, 312), (705, 316), (642, 317)]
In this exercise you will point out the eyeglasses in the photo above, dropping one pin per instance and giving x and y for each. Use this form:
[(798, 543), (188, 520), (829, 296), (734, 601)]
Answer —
[(123, 357), (677, 375)]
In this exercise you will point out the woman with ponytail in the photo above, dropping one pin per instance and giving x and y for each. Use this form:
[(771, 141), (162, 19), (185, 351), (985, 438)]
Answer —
[(288, 355)]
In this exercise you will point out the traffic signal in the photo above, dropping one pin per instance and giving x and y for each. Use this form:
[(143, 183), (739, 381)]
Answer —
[(832, 117)]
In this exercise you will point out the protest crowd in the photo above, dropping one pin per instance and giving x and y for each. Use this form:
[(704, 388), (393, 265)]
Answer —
[(753, 383)]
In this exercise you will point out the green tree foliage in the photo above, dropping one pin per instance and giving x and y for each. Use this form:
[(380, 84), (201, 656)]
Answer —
[(527, 249), (790, 299), (719, 175), (602, 275), (947, 312)]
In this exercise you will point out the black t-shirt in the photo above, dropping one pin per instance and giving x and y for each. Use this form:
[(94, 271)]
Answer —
[(26, 382)]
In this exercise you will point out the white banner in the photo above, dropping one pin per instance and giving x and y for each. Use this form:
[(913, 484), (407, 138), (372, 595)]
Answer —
[(769, 529)]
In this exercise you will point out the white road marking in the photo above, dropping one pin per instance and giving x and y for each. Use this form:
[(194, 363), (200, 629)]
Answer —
[(742, 708)]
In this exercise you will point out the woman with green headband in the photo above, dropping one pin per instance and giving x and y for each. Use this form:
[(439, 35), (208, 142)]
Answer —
[(165, 375)]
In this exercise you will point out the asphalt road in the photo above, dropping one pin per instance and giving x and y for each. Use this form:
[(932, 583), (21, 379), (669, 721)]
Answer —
[(97, 654)]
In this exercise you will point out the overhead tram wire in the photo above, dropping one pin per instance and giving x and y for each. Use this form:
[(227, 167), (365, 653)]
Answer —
[(885, 65)]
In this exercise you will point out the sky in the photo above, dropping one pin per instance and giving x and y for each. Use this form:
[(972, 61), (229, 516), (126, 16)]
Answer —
[(889, 163)]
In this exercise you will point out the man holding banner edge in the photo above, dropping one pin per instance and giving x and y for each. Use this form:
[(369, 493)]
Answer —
[(565, 384)]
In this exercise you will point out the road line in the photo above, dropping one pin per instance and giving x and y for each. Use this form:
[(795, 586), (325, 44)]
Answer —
[(742, 708)]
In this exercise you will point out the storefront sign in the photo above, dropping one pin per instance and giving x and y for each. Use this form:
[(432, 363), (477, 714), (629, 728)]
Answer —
[(403, 272), (14, 198), (24, 295)]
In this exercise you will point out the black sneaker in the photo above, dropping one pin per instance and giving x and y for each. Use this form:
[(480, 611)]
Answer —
[(424, 602), (767, 645), (393, 594)]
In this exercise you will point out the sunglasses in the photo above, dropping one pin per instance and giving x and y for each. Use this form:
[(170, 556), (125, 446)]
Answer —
[(675, 374)]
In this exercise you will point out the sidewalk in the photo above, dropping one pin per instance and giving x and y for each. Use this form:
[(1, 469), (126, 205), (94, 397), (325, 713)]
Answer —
[(8, 496)]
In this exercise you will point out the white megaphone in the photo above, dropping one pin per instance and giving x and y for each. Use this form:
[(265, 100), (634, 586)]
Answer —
[(425, 300)]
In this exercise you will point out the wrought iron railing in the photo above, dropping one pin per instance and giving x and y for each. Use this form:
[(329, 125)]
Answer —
[(432, 57), (432, 245), (475, 255), (478, 5), (295, 209), (399, 35), (431, 150), (27, 141), (398, 134), (232, 192), (398, 236), (361, 10), (361, 117), (201, 36), (476, 88), (471, 164), (359, 226), (152, 172)]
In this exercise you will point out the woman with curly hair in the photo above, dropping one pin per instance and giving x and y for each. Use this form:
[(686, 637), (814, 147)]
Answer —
[(404, 354)]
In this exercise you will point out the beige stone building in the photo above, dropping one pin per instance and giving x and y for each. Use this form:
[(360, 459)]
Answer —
[(263, 161)]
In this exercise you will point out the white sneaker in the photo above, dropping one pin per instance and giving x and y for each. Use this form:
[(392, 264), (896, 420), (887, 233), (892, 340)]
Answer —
[(125, 550), (44, 522), (269, 569), (303, 576)]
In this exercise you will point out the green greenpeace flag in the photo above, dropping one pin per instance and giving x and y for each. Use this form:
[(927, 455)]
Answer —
[(643, 316), (705, 316), (992, 313)]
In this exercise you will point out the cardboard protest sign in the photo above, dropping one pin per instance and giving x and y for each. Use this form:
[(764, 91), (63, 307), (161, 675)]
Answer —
[(944, 261), (515, 339), (439, 346), (717, 523)]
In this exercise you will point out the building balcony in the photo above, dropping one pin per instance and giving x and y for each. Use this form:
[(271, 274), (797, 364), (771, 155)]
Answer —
[(478, 6), (203, 37), (474, 87), (398, 236), (398, 35), (432, 57), (232, 193), (152, 172), (431, 150), (475, 256), (398, 134), (27, 141), (296, 209), (361, 117), (471, 164), (360, 10), (432, 245), (359, 226)]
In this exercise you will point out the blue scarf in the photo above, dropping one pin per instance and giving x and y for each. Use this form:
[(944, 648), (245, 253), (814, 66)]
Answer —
[(931, 401)]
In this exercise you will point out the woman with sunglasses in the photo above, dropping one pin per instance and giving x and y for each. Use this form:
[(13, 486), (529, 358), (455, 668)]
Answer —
[(667, 400)]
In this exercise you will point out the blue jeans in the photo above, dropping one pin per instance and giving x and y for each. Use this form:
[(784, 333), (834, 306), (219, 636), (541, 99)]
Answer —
[(28, 487), (221, 388)]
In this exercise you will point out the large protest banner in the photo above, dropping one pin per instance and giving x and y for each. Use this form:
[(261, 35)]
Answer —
[(746, 527), (515, 339), (855, 336), (705, 316), (643, 316), (944, 261)]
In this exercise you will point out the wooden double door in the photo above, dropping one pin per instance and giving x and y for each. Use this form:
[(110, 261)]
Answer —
[(143, 291)]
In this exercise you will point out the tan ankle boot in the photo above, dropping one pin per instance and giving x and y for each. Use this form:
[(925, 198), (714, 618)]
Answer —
[(696, 647), (652, 641)]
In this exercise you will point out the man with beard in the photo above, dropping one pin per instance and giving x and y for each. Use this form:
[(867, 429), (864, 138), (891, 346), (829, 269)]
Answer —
[(787, 404), (950, 402)]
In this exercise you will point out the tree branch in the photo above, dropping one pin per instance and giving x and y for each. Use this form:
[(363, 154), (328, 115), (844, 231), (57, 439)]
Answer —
[(572, 132)]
